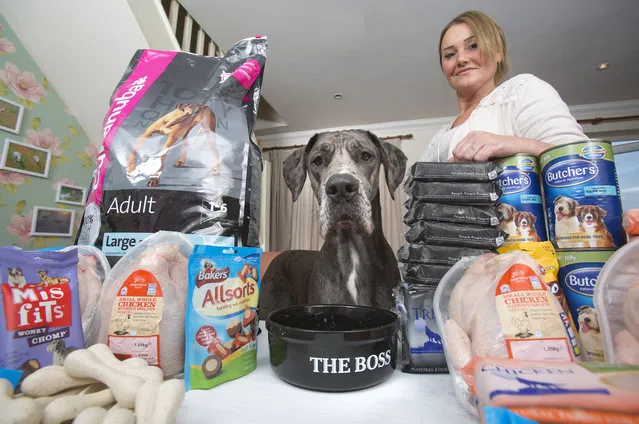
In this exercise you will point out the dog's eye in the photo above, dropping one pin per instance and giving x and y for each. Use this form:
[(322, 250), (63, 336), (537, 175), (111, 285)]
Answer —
[(317, 161), (366, 156)]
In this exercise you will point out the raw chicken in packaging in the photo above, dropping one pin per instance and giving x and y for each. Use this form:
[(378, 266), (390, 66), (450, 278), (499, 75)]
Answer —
[(93, 268), (221, 320), (142, 305), (499, 306), (40, 319), (511, 391), (617, 303)]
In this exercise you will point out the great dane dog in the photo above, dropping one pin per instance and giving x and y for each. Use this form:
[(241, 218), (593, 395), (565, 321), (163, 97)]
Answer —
[(355, 265)]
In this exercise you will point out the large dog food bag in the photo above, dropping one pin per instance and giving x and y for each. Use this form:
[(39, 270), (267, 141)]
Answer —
[(177, 153)]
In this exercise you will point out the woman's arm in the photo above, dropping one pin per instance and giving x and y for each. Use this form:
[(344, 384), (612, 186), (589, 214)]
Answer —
[(541, 118), (482, 146)]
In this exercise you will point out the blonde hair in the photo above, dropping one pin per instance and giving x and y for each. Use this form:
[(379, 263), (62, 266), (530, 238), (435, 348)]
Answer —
[(490, 39)]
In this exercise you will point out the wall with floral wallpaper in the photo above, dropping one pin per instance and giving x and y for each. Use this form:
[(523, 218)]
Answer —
[(48, 124)]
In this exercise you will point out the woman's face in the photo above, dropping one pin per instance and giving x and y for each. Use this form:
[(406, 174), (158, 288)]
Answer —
[(462, 62)]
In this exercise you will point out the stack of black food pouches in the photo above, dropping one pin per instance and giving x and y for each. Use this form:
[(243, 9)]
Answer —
[(451, 214)]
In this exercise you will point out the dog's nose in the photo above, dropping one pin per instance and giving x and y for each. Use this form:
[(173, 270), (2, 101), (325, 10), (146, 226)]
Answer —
[(340, 187)]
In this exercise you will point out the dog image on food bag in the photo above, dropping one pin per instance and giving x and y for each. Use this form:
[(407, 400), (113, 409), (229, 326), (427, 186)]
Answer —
[(175, 124), (591, 222), (45, 280), (566, 221), (506, 214), (589, 330), (525, 223), (16, 277)]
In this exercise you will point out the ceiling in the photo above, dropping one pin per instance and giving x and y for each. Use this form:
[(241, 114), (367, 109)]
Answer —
[(382, 55)]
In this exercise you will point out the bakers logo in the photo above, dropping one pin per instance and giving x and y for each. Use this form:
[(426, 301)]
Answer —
[(513, 181), (593, 151), (211, 275)]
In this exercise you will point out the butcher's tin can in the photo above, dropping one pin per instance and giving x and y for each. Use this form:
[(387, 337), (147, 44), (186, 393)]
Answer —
[(583, 205), (578, 272), (520, 207)]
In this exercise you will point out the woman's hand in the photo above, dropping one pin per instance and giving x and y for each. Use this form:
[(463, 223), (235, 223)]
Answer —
[(479, 146)]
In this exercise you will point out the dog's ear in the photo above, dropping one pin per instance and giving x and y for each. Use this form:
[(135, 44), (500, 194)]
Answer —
[(394, 161), (583, 308), (573, 203), (558, 198), (534, 218), (295, 168), (515, 216), (578, 210), (602, 212)]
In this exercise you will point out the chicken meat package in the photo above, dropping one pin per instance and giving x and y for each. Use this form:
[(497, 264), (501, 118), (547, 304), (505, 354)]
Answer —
[(177, 153), (499, 306), (221, 318), (40, 320), (616, 300), (512, 391), (142, 304), (93, 268)]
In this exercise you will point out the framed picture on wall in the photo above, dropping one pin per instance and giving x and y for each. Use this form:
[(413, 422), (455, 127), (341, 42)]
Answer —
[(52, 222), (71, 195), (10, 115), (25, 159)]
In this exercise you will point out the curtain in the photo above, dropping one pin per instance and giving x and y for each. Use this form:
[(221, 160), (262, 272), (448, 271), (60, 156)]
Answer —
[(295, 225)]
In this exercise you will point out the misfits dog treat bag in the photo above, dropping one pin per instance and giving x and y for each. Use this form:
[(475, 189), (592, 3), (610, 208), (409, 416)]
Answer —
[(177, 153), (40, 317), (221, 319)]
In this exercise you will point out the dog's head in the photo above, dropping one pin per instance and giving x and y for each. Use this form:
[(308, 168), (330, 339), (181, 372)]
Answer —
[(188, 108), (590, 215), (505, 212), (565, 207), (42, 274), (524, 220), (15, 272), (343, 167), (588, 319)]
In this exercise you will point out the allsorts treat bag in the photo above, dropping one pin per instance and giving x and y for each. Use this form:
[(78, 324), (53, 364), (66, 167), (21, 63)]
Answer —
[(40, 317), (177, 153), (221, 320), (422, 348)]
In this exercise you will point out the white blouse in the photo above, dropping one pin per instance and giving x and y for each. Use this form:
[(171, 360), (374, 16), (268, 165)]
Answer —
[(524, 106)]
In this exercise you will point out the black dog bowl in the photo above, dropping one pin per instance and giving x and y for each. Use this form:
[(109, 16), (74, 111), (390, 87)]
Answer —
[(332, 347)]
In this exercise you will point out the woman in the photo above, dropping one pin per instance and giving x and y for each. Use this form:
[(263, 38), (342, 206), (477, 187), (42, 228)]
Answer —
[(496, 119)]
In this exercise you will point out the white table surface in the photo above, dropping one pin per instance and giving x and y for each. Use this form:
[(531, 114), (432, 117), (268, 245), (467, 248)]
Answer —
[(261, 397)]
